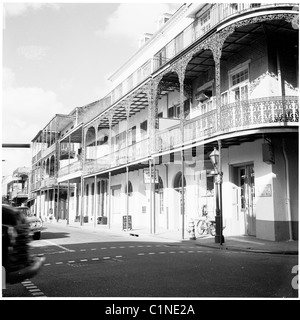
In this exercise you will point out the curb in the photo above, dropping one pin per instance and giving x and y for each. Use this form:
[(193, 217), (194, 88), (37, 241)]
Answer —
[(283, 252)]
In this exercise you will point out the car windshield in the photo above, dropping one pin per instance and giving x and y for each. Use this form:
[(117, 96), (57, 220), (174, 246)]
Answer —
[(26, 211)]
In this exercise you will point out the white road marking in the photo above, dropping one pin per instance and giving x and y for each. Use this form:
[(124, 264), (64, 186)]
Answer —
[(38, 294), (95, 259), (32, 289), (57, 245)]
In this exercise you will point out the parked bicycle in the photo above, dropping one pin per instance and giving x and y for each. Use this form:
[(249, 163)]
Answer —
[(205, 225)]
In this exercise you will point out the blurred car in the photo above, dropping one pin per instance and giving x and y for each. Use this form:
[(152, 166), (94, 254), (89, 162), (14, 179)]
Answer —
[(35, 223), (17, 263)]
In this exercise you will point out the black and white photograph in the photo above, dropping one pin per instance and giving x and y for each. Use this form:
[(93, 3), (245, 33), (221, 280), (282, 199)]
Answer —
[(150, 153)]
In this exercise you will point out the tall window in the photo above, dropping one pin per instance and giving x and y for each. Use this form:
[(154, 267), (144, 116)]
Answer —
[(130, 190), (179, 43), (174, 111), (143, 127), (161, 57), (159, 189), (239, 81)]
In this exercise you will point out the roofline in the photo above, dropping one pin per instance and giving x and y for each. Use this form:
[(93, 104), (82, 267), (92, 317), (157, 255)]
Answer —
[(155, 35)]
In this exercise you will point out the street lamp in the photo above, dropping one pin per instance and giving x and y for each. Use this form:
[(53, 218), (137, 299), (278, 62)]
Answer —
[(215, 160)]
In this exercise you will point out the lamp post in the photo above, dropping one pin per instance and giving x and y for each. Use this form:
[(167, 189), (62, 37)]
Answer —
[(215, 160)]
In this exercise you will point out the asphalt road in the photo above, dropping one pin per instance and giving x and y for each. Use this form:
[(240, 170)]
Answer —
[(81, 263)]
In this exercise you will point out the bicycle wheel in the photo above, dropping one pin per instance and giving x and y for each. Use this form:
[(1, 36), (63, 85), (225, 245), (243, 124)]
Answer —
[(201, 227), (212, 229)]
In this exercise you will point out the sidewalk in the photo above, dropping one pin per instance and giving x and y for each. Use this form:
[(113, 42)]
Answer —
[(232, 243)]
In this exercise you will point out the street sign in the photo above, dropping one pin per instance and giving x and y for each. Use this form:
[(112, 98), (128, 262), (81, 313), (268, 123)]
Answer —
[(147, 176)]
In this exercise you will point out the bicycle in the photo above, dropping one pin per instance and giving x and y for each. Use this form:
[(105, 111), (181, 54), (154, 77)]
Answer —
[(206, 226)]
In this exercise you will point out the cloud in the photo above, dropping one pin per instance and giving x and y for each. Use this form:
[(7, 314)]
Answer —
[(17, 9), (26, 110), (131, 20), (33, 52)]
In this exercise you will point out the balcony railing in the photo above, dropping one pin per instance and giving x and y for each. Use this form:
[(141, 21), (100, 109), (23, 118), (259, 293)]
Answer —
[(218, 12), (48, 182), (69, 169), (35, 185), (123, 156), (254, 113), (250, 114), (20, 193), (49, 150)]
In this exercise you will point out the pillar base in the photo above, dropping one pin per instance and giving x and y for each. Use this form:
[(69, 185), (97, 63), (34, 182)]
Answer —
[(219, 239)]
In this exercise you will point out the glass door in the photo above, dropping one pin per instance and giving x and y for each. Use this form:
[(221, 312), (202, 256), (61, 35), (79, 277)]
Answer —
[(247, 197)]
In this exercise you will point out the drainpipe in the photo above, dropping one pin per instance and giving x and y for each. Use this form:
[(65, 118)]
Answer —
[(288, 202)]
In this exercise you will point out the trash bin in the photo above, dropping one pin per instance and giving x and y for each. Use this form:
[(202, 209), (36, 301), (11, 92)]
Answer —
[(102, 220), (86, 219)]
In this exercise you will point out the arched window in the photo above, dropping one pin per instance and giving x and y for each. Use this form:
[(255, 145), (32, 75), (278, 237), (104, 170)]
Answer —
[(178, 188), (178, 181), (48, 166), (129, 189), (159, 185)]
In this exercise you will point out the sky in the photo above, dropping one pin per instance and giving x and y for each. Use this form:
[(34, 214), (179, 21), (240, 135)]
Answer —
[(58, 56)]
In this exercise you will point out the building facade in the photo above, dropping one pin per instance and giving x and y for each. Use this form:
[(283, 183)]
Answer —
[(15, 188), (221, 76)]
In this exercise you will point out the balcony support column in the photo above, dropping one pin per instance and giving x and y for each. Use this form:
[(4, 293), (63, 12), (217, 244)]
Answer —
[(82, 199), (68, 212), (84, 131), (152, 95), (48, 201), (110, 119), (58, 203), (95, 201), (109, 200), (127, 108), (181, 73), (127, 196), (40, 204), (151, 194), (154, 204), (96, 140)]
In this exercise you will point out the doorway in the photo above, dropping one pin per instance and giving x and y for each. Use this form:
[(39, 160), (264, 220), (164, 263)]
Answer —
[(116, 206), (246, 184)]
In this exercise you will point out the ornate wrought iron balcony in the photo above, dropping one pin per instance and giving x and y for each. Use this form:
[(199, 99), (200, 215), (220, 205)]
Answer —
[(242, 115)]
